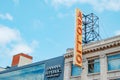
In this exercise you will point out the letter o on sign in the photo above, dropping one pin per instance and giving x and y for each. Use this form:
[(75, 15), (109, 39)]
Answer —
[(79, 58), (79, 30)]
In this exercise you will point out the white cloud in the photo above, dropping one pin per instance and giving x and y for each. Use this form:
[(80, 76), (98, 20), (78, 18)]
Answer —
[(117, 32), (24, 48), (68, 3), (12, 43), (21, 48), (6, 16), (99, 5), (8, 35)]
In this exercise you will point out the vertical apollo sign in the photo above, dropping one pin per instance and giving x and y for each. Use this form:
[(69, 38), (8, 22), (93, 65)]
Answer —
[(78, 39)]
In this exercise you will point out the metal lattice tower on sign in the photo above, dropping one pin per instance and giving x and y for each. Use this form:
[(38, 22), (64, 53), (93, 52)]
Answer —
[(90, 28)]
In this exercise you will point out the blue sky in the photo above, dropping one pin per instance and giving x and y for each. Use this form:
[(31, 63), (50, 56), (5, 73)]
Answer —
[(45, 28)]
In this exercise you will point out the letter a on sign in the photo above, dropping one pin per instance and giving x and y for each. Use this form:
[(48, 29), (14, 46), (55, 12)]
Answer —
[(78, 39)]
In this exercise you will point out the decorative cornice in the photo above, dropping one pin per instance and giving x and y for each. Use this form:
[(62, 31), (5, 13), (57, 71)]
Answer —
[(102, 56), (68, 55), (96, 46), (101, 47)]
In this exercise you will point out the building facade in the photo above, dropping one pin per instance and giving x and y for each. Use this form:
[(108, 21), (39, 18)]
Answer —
[(51, 69), (101, 61), (2, 69)]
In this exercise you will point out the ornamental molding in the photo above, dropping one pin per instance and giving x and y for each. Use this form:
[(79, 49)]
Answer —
[(101, 47), (102, 56), (68, 55), (96, 46)]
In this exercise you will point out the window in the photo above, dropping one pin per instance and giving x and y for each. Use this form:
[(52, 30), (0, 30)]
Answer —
[(76, 71), (115, 79), (113, 62), (93, 65), (30, 73)]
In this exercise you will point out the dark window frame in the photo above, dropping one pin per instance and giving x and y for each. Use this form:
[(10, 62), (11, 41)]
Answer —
[(91, 65)]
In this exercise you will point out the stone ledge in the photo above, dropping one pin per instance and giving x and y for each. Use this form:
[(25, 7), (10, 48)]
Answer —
[(96, 46)]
